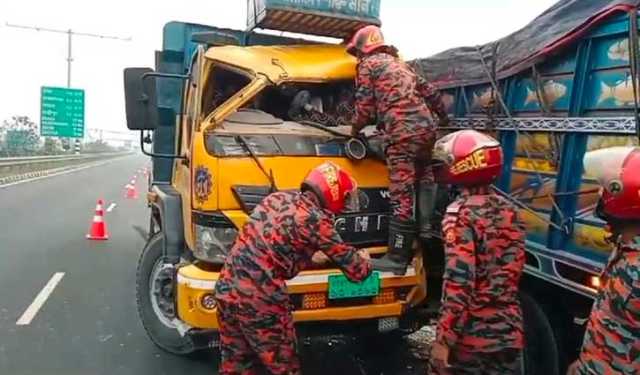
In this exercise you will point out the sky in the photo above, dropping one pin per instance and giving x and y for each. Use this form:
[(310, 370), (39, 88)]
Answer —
[(32, 59)]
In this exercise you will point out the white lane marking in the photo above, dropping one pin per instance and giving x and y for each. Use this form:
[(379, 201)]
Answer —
[(40, 299), (61, 173), (111, 207)]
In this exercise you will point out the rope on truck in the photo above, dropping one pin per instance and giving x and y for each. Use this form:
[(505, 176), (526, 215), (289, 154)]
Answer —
[(525, 147)]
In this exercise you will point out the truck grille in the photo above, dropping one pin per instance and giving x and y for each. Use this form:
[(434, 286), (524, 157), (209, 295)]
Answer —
[(366, 228)]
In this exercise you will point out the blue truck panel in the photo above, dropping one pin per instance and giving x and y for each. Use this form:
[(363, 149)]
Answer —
[(577, 100)]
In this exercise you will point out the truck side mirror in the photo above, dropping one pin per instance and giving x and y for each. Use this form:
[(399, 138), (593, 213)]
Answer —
[(141, 99)]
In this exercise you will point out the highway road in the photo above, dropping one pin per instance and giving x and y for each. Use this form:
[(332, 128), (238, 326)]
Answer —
[(87, 322)]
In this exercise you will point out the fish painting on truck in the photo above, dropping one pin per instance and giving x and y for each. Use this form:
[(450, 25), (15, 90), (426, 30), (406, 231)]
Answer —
[(555, 94)]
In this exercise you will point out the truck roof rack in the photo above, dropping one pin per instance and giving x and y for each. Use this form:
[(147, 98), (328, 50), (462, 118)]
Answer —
[(335, 19)]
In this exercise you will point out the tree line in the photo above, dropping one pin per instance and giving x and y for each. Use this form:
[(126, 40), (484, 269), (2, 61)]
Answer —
[(20, 136)]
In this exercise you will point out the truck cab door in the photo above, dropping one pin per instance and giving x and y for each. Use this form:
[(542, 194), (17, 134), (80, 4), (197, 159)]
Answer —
[(188, 124)]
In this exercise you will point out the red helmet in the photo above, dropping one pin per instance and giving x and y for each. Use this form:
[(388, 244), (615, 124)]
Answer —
[(366, 40), (468, 158), (336, 189), (617, 170)]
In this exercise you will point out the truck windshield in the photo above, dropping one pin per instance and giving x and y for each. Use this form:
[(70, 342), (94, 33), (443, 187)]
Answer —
[(222, 84), (326, 103)]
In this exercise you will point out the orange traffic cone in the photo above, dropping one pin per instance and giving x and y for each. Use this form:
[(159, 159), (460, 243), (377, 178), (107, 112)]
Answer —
[(131, 192), (98, 230)]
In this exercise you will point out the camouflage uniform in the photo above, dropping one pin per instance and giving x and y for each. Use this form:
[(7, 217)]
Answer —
[(480, 318), (256, 327), (402, 102), (612, 340)]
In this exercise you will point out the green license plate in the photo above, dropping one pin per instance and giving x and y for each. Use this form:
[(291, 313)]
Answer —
[(340, 287)]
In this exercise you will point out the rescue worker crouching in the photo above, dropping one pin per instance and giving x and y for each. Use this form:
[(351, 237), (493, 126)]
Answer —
[(390, 92), (480, 329), (612, 339), (280, 239)]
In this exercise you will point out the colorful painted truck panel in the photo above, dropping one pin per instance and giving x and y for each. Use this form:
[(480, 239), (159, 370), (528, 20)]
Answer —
[(560, 103)]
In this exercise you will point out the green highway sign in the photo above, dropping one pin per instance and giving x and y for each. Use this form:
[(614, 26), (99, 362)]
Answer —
[(61, 112)]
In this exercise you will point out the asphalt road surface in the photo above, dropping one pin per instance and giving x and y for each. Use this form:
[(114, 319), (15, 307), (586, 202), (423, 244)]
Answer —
[(67, 304)]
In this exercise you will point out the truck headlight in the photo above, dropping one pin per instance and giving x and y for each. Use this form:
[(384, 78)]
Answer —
[(213, 243)]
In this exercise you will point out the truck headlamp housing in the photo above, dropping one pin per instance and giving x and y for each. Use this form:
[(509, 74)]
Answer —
[(214, 236)]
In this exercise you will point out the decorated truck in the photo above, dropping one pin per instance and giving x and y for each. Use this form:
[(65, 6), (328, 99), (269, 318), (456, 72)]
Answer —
[(216, 113), (564, 85)]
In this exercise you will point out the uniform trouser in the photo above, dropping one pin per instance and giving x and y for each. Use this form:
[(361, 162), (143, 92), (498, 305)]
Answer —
[(252, 345), (506, 362), (601, 362), (408, 164)]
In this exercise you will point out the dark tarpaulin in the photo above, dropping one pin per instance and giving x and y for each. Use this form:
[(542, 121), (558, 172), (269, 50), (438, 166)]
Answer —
[(556, 28)]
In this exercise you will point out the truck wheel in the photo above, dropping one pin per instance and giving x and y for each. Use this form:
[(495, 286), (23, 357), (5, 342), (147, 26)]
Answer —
[(541, 352), (155, 292)]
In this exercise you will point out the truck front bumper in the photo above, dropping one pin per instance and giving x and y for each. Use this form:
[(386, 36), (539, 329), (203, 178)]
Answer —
[(195, 288)]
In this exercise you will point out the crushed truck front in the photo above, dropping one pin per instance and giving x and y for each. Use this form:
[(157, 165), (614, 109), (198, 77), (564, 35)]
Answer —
[(243, 147)]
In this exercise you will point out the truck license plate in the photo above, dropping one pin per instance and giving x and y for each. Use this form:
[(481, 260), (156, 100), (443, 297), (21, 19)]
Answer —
[(340, 287)]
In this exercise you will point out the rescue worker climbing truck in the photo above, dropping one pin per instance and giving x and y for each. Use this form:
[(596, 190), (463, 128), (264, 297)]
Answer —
[(216, 111), (405, 108)]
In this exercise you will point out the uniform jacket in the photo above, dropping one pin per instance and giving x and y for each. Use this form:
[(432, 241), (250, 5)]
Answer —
[(390, 93), (279, 240), (484, 250), (612, 340)]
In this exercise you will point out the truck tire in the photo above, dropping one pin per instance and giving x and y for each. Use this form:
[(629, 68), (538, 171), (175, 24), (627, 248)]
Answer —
[(541, 352), (155, 288)]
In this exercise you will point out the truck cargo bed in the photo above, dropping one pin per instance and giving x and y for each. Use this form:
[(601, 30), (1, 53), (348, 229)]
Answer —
[(331, 18)]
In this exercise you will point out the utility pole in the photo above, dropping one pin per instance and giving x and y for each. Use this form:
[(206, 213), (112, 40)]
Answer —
[(70, 34)]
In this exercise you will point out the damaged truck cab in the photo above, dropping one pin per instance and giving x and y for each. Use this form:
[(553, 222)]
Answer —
[(218, 112)]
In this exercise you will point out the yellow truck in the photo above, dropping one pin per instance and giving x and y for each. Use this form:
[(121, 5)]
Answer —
[(217, 111)]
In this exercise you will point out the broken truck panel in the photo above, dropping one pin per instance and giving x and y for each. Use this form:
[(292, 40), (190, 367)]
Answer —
[(224, 100)]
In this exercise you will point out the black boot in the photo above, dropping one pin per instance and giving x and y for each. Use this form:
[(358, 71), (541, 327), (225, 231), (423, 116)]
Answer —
[(427, 194), (400, 252)]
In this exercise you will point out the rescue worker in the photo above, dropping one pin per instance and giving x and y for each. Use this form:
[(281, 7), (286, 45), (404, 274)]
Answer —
[(402, 103), (612, 339), (280, 239), (480, 329)]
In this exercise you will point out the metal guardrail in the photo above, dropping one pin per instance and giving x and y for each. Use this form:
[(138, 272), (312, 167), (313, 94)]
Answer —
[(9, 162)]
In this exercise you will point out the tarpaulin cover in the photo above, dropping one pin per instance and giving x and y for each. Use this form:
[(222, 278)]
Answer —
[(556, 28)]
